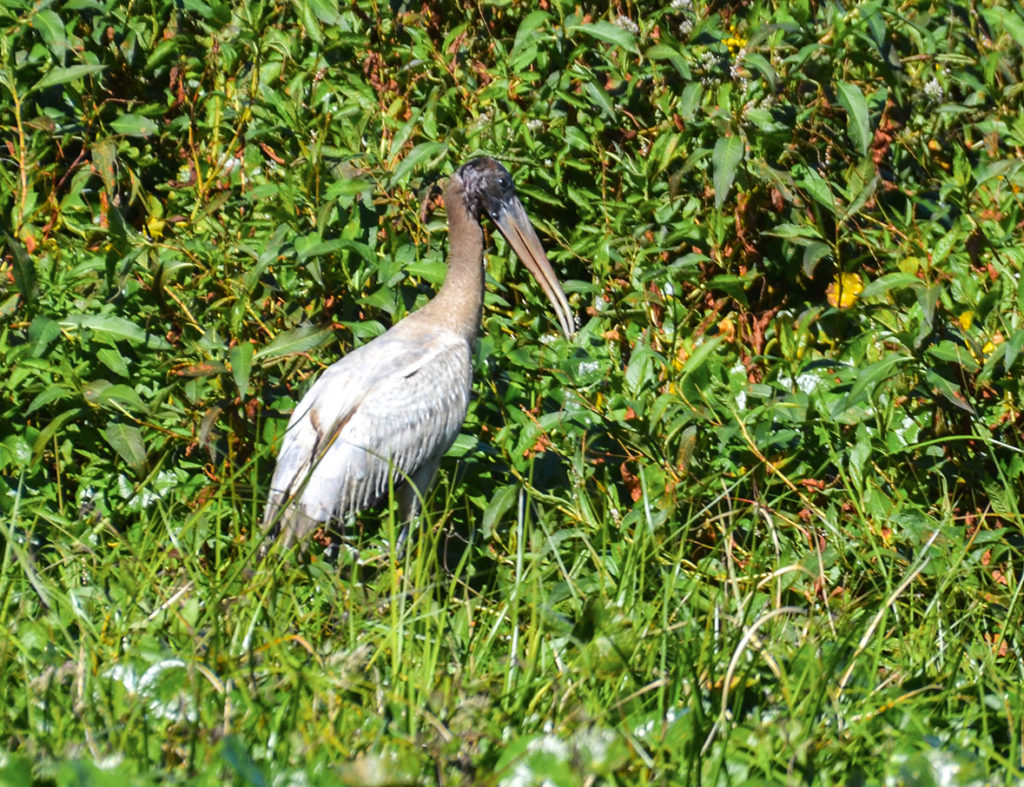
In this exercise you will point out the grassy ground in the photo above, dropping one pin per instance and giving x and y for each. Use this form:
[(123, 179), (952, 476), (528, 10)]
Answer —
[(759, 521)]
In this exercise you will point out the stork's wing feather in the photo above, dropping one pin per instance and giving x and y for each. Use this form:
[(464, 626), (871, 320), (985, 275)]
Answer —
[(373, 417)]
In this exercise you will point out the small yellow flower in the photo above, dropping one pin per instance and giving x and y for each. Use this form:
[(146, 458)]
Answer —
[(844, 289), (966, 319), (735, 42), (990, 346), (155, 227)]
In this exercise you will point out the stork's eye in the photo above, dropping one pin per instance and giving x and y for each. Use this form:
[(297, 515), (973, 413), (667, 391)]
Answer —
[(503, 182)]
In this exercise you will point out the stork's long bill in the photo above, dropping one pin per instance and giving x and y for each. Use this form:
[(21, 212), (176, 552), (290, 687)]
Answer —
[(514, 224)]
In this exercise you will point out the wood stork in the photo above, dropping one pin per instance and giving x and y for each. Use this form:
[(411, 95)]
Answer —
[(383, 416)]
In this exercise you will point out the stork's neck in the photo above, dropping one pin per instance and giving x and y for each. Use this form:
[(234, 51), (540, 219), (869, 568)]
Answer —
[(459, 302)]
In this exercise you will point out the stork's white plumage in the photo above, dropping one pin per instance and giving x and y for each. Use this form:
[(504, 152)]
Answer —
[(384, 415)]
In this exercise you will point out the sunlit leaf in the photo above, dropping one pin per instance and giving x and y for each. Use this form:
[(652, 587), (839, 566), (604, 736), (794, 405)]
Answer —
[(127, 441), (857, 123), (725, 158), (417, 157), (817, 187), (51, 30), (65, 74), (607, 32), (241, 356), (528, 27), (134, 125), (297, 340), (112, 327)]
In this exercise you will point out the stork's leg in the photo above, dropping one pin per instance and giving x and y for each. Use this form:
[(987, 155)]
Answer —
[(289, 523), (410, 498)]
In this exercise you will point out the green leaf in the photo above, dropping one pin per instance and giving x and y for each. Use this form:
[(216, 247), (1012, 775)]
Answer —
[(762, 65), (324, 10), (607, 32), (862, 181), (347, 187), (24, 268), (298, 340), (62, 75), (665, 52), (318, 248), (41, 332), (730, 283), (240, 357), (113, 328), (434, 271), (113, 360), (700, 355), (577, 139), (104, 161), (955, 353), (600, 98), (693, 385), (858, 126), (641, 370), (727, 155), (871, 375), (815, 185), (858, 456), (501, 501), (116, 396), (1005, 18), (944, 245), (127, 441), (425, 154), (531, 22), (814, 252), (948, 391), (927, 298), (1013, 346), (133, 125), (235, 753), (309, 21), (49, 394), (690, 100), (210, 12), (797, 232), (890, 281), (51, 30), (15, 769)]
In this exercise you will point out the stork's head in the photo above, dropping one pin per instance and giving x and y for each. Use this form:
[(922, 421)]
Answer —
[(488, 188)]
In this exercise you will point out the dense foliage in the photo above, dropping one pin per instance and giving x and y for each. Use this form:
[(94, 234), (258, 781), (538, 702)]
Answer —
[(760, 519)]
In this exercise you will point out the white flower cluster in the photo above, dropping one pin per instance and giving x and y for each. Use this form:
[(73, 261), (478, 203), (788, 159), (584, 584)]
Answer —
[(627, 24), (708, 66), (736, 70), (684, 7)]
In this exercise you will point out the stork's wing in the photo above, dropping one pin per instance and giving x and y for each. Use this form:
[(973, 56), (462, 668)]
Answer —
[(388, 410)]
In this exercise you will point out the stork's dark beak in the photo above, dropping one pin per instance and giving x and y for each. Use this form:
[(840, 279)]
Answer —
[(515, 225)]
